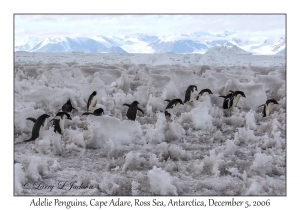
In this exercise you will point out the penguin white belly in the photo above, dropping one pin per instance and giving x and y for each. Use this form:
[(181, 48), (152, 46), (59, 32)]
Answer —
[(205, 94), (202, 95), (93, 102), (174, 106), (192, 95), (269, 109), (62, 123), (170, 111), (236, 100), (199, 97), (42, 128)]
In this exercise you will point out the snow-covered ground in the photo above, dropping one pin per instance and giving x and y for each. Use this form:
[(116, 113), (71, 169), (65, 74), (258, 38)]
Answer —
[(203, 151)]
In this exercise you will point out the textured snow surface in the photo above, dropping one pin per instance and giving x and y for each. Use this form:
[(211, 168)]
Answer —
[(204, 150)]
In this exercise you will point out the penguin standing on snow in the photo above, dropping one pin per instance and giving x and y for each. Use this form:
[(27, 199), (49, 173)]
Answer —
[(67, 107), (268, 106), (131, 112), (39, 126), (203, 92), (227, 99), (234, 99), (189, 93), (92, 101), (97, 112), (172, 105), (59, 121), (231, 99)]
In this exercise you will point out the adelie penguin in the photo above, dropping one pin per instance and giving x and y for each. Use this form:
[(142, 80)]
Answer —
[(268, 106), (203, 92), (173, 104), (59, 121), (189, 93), (227, 99), (132, 111), (92, 101), (39, 126), (67, 107), (232, 99), (97, 112)]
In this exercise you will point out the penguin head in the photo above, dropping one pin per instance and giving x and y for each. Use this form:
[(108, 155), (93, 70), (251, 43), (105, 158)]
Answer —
[(205, 91), (271, 101), (136, 102), (239, 92), (193, 88), (61, 115), (68, 116), (45, 116), (94, 93), (69, 101)]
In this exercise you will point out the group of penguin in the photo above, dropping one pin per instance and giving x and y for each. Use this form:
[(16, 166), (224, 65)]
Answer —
[(230, 100)]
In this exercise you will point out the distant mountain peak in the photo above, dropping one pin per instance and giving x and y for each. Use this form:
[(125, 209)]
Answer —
[(196, 42)]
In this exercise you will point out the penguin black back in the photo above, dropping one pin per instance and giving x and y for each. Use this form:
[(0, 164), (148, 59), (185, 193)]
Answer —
[(67, 107), (97, 112), (173, 103), (38, 127), (190, 93), (132, 111), (204, 92)]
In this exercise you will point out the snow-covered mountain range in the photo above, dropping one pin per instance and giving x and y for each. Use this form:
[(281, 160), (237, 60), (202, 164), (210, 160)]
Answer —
[(198, 42)]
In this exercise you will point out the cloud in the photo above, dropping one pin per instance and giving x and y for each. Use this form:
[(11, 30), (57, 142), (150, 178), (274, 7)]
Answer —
[(117, 25)]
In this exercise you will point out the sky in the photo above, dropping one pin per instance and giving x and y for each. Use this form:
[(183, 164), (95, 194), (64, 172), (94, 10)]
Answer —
[(89, 25)]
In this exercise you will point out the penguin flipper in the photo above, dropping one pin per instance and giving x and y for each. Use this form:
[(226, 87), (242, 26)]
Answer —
[(32, 119), (222, 96), (126, 105), (140, 110), (260, 105), (167, 100)]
